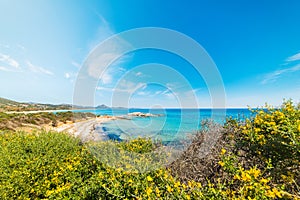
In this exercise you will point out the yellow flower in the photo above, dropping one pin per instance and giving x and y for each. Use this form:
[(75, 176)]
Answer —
[(264, 181), (223, 151), (169, 189), (221, 163), (254, 172), (149, 178), (157, 192), (177, 184), (130, 181), (270, 193), (276, 192), (49, 192), (245, 177), (257, 130), (237, 177), (299, 127), (148, 191)]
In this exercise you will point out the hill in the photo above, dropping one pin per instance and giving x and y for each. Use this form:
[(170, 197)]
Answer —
[(4, 101), (10, 105)]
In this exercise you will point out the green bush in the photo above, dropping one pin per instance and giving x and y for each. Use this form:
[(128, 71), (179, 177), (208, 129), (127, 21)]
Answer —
[(255, 159), (57, 166), (43, 165)]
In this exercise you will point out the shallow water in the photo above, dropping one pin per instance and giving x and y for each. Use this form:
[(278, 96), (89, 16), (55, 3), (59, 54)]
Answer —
[(172, 125)]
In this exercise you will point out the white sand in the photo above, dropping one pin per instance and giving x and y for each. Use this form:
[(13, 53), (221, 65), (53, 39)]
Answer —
[(85, 129)]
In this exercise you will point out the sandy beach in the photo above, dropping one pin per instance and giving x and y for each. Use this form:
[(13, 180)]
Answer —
[(85, 129)]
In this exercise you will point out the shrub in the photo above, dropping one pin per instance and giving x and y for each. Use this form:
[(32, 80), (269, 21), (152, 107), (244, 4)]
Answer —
[(253, 159), (56, 166), (43, 165)]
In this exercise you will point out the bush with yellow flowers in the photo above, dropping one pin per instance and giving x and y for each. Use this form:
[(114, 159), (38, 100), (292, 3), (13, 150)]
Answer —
[(253, 159), (43, 165), (273, 136), (265, 159), (51, 165)]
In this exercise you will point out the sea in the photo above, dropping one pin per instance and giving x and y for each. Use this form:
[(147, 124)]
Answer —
[(165, 125)]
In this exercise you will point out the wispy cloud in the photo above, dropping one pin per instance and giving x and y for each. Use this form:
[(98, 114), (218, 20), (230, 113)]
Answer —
[(273, 76), (106, 60), (20, 46), (124, 86), (9, 61), (67, 75), (295, 57), (38, 69), (4, 69), (139, 74), (75, 64)]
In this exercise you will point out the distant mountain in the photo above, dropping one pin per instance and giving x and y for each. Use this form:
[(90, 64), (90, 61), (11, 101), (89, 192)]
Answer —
[(102, 107), (9, 105)]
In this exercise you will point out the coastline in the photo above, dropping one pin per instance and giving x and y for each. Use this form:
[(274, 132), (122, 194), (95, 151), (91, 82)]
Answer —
[(85, 129)]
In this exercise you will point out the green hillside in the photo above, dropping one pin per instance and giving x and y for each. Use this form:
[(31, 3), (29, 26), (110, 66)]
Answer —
[(4, 101), (9, 105)]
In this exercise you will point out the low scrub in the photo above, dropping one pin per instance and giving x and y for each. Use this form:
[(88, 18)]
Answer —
[(254, 159)]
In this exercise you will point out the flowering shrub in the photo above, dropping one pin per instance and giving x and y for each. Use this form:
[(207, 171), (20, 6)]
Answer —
[(43, 165), (255, 159), (50, 165), (273, 136)]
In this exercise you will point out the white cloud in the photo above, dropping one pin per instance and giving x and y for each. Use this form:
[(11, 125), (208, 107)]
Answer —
[(70, 76), (38, 69), (128, 86), (67, 75), (273, 76), (9, 61), (295, 57), (124, 86), (139, 74), (76, 64), (20, 46), (105, 60), (106, 78), (4, 69)]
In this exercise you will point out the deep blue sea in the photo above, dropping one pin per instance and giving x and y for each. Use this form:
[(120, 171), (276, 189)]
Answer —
[(170, 125)]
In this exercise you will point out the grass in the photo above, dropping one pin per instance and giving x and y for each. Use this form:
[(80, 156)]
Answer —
[(255, 159)]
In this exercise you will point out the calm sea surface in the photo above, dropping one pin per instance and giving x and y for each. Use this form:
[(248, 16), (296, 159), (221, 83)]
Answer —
[(170, 125)]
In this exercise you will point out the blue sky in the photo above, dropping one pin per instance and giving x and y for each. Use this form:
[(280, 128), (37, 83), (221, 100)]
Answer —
[(254, 44)]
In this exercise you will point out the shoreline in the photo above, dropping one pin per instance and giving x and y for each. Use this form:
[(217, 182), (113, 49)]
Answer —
[(85, 129)]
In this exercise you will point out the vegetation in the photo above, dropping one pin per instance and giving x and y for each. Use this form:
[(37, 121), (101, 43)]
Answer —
[(255, 159), (15, 120), (9, 105)]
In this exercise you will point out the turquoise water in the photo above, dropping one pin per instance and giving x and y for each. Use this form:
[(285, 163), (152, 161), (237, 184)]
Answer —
[(169, 126)]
